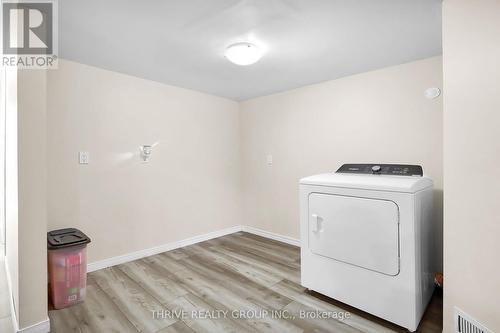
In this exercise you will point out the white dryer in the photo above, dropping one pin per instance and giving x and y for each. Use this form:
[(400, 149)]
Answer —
[(367, 239)]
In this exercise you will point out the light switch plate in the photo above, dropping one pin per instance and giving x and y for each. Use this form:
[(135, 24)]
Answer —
[(83, 157)]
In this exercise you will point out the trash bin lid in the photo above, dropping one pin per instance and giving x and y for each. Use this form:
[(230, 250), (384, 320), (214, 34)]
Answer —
[(61, 238)]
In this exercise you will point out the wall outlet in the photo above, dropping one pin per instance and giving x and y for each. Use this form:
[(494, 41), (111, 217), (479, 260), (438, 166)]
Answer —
[(83, 157), (269, 159)]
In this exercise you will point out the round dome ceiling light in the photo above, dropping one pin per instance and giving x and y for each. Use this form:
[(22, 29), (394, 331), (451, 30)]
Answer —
[(243, 54)]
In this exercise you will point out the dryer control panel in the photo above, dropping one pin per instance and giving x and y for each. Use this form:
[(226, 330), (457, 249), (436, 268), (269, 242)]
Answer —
[(383, 169)]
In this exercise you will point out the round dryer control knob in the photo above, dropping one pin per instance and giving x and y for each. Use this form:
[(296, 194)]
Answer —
[(376, 168)]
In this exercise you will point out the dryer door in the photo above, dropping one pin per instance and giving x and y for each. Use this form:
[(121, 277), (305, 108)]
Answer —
[(358, 231)]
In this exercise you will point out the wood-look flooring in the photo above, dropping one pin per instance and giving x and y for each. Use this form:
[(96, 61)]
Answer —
[(255, 276)]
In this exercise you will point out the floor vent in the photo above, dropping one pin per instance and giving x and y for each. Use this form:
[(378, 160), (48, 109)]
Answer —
[(465, 324)]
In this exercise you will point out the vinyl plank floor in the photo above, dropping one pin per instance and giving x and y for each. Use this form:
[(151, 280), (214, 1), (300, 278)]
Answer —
[(289, 253), (221, 297), (256, 274), (237, 284), (266, 264), (251, 247), (250, 283), (153, 280), (97, 314), (203, 317), (177, 254), (177, 327), (135, 303), (318, 324), (299, 294)]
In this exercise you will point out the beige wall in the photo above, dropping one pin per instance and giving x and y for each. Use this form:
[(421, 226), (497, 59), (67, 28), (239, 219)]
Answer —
[(32, 196), (26, 222), (380, 116), (191, 185), (11, 185), (2, 157), (471, 51)]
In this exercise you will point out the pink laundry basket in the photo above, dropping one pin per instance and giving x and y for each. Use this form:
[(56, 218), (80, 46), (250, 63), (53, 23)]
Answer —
[(67, 264)]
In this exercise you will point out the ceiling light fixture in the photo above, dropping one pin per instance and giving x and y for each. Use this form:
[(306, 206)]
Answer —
[(243, 53)]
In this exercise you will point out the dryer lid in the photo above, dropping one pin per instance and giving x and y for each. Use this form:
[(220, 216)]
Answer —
[(407, 184)]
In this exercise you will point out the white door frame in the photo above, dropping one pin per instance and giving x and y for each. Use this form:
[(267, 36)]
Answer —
[(3, 226)]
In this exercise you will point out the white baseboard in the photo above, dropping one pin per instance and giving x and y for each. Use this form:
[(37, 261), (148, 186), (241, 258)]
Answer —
[(41, 327), (94, 266), (271, 235)]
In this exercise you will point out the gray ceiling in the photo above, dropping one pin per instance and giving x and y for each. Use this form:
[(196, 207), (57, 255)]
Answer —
[(181, 42)]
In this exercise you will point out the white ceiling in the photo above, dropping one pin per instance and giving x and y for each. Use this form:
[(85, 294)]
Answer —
[(181, 42)]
